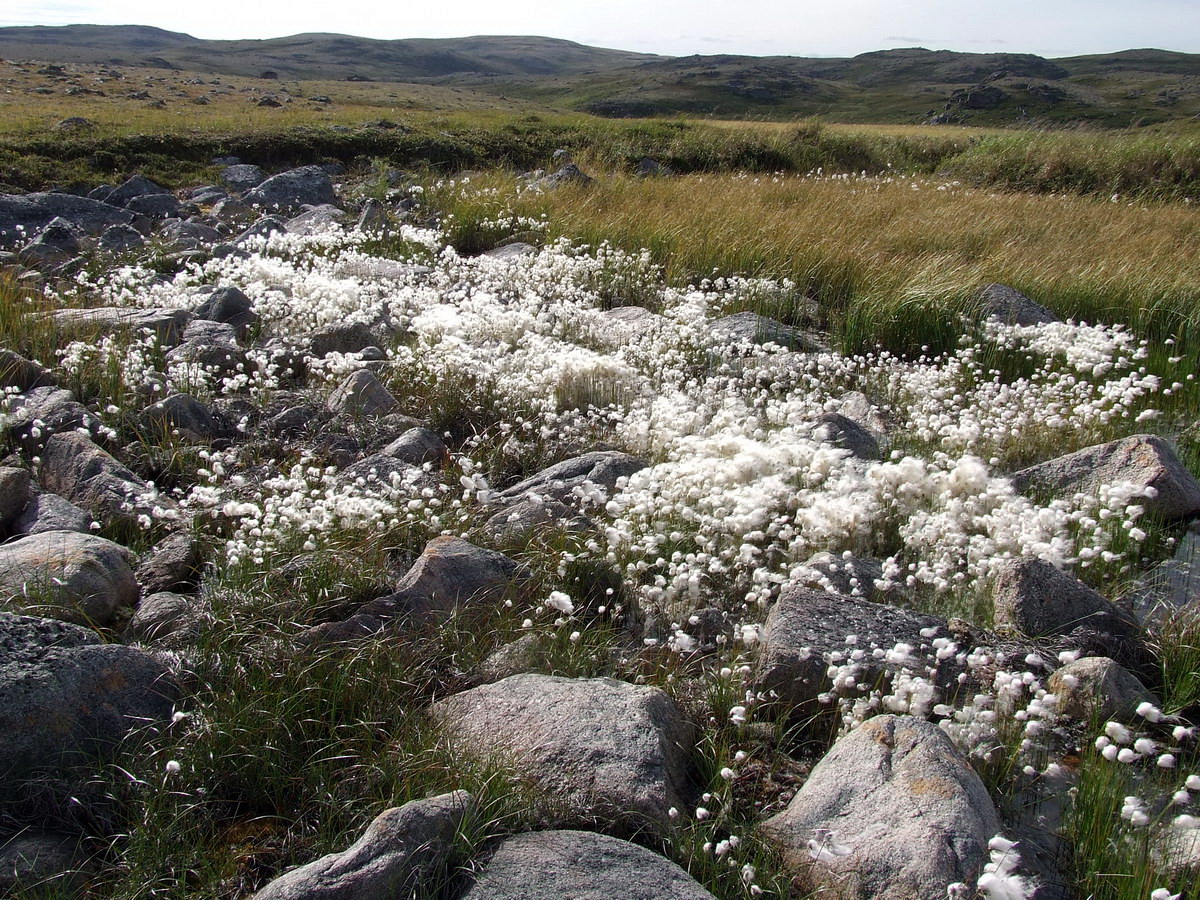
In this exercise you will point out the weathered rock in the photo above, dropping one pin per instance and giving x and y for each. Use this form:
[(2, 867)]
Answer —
[(844, 432), (568, 174), (37, 861), (184, 414), (651, 168), (242, 177), (374, 217), (42, 412), (174, 562), (154, 206), (856, 406), (582, 865), (316, 220), (515, 250), (1012, 307), (228, 305), (293, 189), (137, 186), (83, 473), (220, 359), (167, 324), (581, 475), (188, 235), (73, 576), (56, 243), (514, 658), (607, 751), (893, 812), (261, 229), (849, 575), (520, 519), (361, 394), (14, 495), (805, 625), (50, 512), (18, 372), (206, 331), (164, 619), (401, 854), (631, 322), (417, 446), (746, 328), (1097, 687), (65, 697), (343, 338), (1144, 460), (33, 211), (121, 238), (207, 194)]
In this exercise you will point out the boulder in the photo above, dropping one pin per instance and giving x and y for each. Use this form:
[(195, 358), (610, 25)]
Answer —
[(188, 235), (806, 626), (184, 414), (1144, 460), (856, 406), (174, 562), (893, 812), (568, 174), (605, 751), (515, 250), (14, 495), (164, 619), (307, 185), (121, 238), (630, 323), (316, 220), (846, 574), (79, 577), (844, 432), (167, 324), (416, 447), (748, 328), (348, 337), (50, 512), (206, 331), (362, 394), (37, 863), (154, 206), (519, 520), (552, 865), (261, 229), (137, 186), (570, 479), (242, 177), (1012, 307), (228, 305), (218, 359), (22, 215), (401, 854), (65, 697), (42, 412), (18, 372), (1097, 688), (77, 469)]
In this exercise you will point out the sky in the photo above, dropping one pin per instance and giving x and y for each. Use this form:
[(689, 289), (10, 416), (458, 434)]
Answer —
[(677, 27)]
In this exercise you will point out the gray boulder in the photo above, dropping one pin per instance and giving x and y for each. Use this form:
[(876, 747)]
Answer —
[(242, 177), (631, 322), (42, 412), (188, 235), (361, 394), (73, 576), (1012, 307), (121, 238), (22, 215), (552, 865), (805, 626), (50, 512), (164, 619), (206, 331), (40, 862), (515, 250), (307, 185), (260, 229), (154, 206), (1098, 688), (65, 697), (568, 174), (1145, 460), (401, 854), (316, 220), (521, 519), (77, 469), (747, 328), (341, 338), (563, 481), (137, 186), (228, 305), (416, 447), (604, 751), (18, 372), (844, 432), (184, 414), (167, 324), (172, 563), (14, 495), (218, 359), (893, 812), (851, 576)]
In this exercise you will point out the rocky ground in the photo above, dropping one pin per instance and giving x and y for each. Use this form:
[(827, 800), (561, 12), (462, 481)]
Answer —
[(892, 561)]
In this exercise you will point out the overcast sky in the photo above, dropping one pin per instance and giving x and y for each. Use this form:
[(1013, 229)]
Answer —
[(677, 27)]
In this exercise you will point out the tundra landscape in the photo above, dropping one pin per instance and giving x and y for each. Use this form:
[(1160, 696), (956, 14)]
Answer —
[(508, 468)]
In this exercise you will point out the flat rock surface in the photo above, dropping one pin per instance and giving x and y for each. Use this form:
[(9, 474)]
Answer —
[(898, 810), (580, 865), (608, 751)]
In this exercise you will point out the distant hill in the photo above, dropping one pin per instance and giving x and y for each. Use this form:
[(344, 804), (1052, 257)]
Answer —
[(905, 85), (311, 56)]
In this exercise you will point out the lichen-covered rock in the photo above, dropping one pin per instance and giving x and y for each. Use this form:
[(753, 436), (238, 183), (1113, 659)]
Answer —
[(1143, 460), (893, 812), (582, 865), (1097, 687), (65, 697), (69, 575), (604, 750), (401, 854), (172, 563)]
